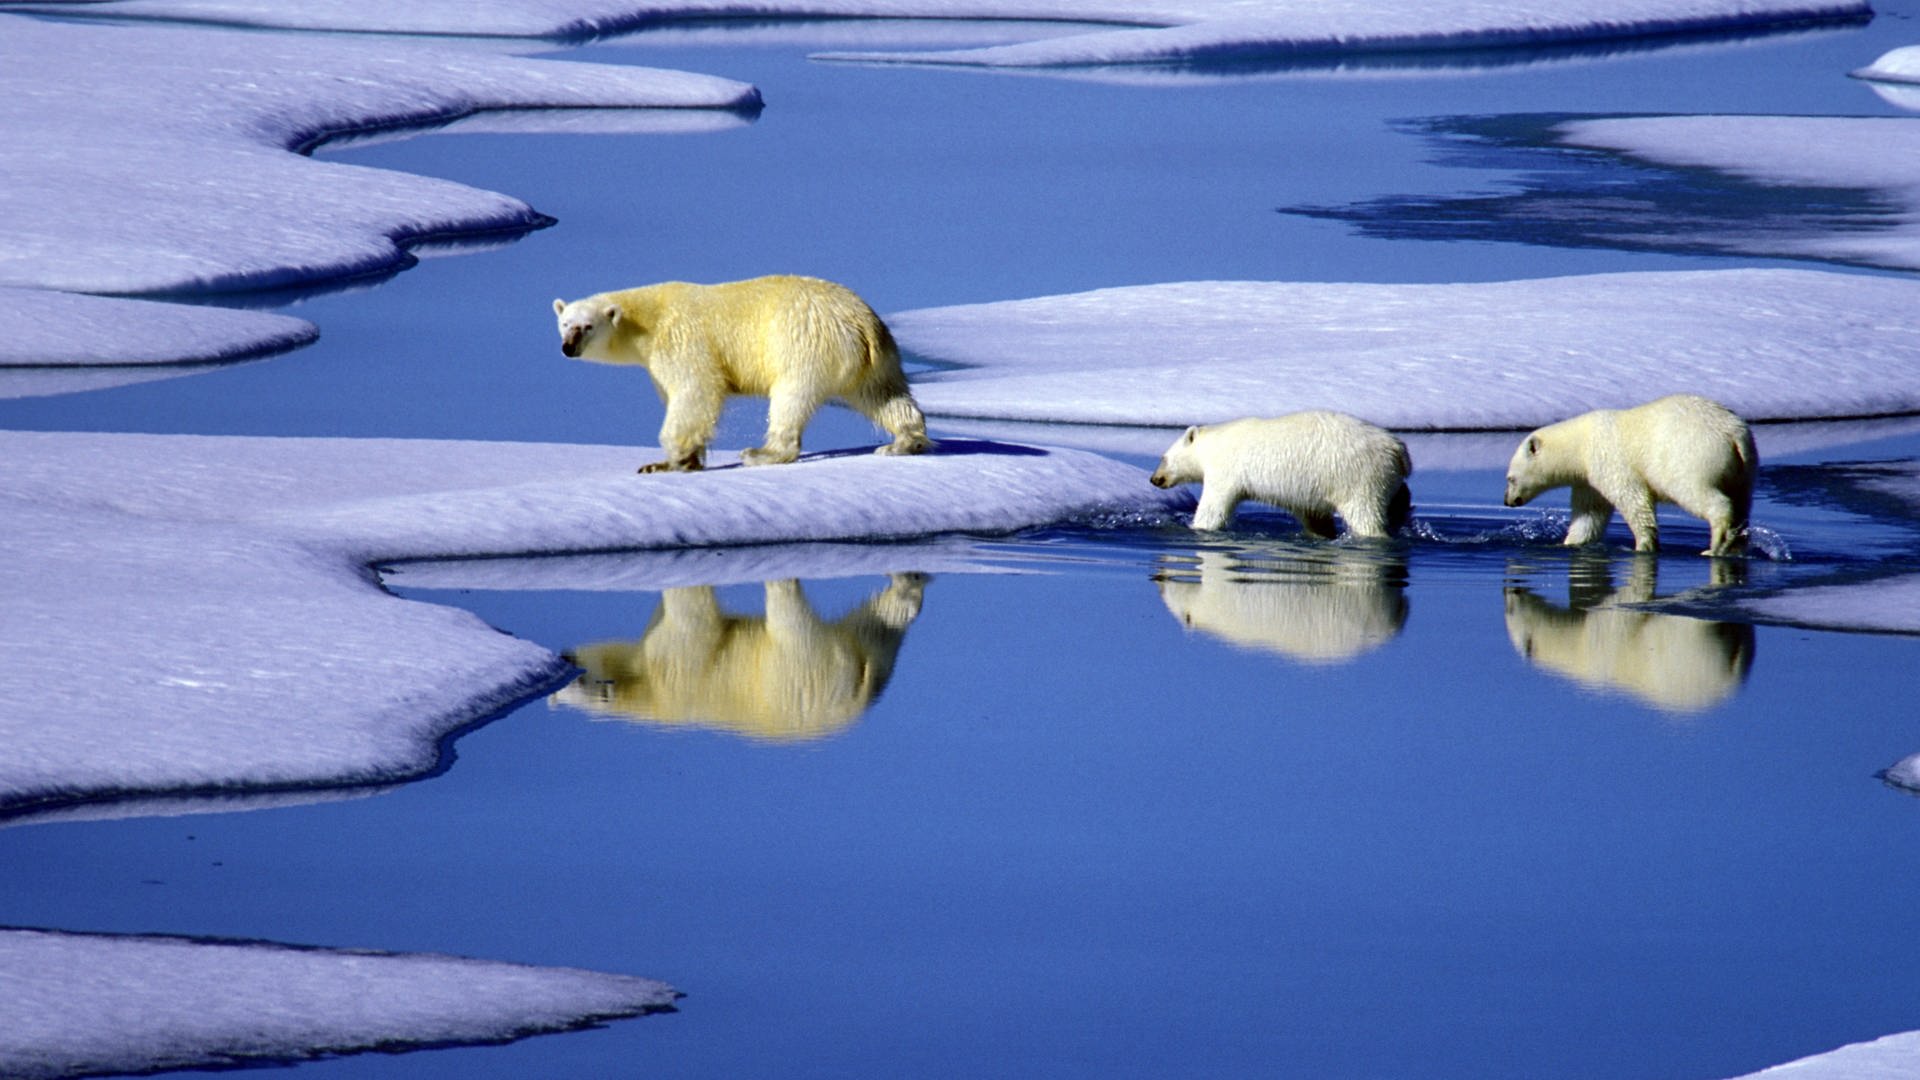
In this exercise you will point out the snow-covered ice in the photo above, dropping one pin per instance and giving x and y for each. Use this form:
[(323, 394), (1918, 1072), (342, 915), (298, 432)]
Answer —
[(1870, 154), (66, 342), (153, 580), (1885, 601), (55, 329), (94, 1004), (1893, 1057), (1900, 65), (1154, 30), (147, 160), (1227, 30), (1904, 773), (1771, 344)]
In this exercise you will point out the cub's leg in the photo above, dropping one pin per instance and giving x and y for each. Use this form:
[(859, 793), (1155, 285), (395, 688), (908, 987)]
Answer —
[(1217, 502), (1728, 525), (1318, 523), (1637, 509), (1378, 518), (1591, 512)]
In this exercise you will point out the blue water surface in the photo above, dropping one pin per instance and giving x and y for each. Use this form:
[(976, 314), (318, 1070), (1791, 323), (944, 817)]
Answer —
[(1075, 833)]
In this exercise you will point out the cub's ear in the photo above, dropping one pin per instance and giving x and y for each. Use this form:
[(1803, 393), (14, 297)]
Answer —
[(612, 312), (1191, 432), (1533, 444), (559, 306)]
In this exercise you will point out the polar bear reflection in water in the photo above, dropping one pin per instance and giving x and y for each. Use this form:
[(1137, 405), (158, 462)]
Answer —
[(787, 675), (1672, 662), (1314, 604)]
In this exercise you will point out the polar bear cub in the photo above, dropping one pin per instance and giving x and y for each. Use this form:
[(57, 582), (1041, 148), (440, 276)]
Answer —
[(797, 341), (1311, 464), (1681, 449)]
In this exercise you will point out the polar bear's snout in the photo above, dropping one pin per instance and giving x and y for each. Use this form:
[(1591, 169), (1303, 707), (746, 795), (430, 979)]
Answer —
[(570, 341), (1160, 479)]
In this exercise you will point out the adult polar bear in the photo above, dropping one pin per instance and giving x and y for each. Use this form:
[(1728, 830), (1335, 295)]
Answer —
[(798, 341), (1681, 449)]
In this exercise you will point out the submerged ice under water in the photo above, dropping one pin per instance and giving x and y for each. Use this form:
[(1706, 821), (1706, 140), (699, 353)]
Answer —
[(1100, 801)]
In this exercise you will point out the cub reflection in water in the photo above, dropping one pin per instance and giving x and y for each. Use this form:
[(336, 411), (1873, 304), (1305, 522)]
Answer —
[(1324, 606), (1671, 662), (787, 675)]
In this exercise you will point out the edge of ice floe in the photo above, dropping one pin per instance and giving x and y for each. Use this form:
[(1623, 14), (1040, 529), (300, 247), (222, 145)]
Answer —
[(307, 222), (833, 496), (1885, 1058), (46, 328), (93, 1004), (299, 525), (1900, 65), (1253, 37)]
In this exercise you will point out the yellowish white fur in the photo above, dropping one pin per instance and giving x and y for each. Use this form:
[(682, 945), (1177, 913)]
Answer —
[(1681, 449), (1311, 464), (1313, 613), (786, 675), (798, 341)]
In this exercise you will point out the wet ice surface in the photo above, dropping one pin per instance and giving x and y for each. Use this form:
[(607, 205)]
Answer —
[(1884, 594), (1500, 355), (1825, 188), (96, 1004)]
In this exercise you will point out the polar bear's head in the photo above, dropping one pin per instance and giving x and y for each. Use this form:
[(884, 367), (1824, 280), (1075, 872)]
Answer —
[(586, 326), (1181, 463), (1535, 468)]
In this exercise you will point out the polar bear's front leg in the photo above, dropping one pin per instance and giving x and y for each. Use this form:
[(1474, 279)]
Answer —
[(1591, 512), (692, 414), (1216, 506)]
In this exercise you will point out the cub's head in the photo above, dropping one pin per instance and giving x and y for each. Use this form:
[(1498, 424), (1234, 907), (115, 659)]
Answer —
[(1528, 474), (1181, 463), (586, 327)]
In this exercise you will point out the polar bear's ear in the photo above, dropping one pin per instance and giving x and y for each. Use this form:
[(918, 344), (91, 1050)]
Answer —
[(1191, 432), (1533, 445), (612, 312), (559, 306)]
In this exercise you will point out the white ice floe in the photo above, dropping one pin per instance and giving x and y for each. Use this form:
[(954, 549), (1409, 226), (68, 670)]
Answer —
[(1884, 602), (1904, 773), (665, 568), (1229, 31), (64, 342), (1900, 65), (162, 159), (195, 616), (54, 329), (1149, 31), (94, 1004), (1432, 451), (1870, 155), (1891, 1058), (1771, 344)]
